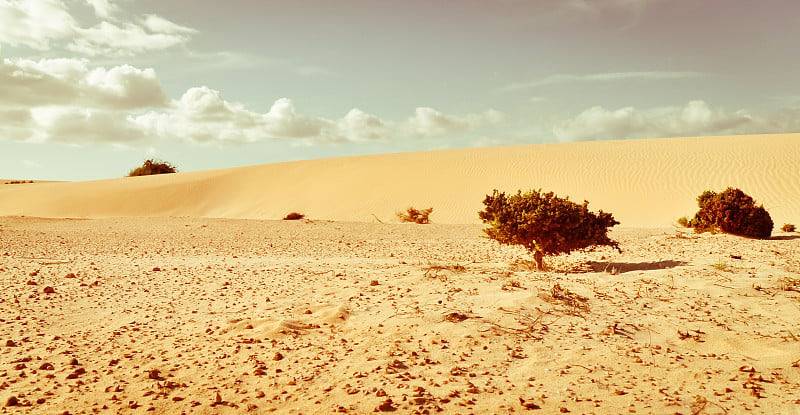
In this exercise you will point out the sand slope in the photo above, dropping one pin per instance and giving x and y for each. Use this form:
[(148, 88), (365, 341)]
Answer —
[(642, 182)]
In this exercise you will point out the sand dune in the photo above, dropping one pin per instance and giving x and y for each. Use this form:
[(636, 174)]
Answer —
[(642, 182)]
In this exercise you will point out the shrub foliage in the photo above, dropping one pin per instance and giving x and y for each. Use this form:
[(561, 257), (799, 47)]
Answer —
[(788, 227), (415, 215), (731, 211), (294, 216), (153, 166), (544, 223)]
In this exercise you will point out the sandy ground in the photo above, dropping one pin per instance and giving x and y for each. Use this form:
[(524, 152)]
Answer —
[(182, 315)]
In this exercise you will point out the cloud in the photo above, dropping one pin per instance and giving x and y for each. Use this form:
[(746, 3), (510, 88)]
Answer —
[(201, 115), (66, 82), (34, 23), (696, 118), (71, 125), (427, 122), (604, 77), (48, 24), (595, 6), (102, 8), (66, 100), (129, 39)]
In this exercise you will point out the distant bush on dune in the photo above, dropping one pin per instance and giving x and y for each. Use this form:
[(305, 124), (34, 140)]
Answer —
[(788, 227), (683, 221), (153, 166), (731, 211), (544, 223), (415, 215), (294, 216)]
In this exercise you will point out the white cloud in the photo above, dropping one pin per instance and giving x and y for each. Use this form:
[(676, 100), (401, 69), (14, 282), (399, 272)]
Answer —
[(357, 125), (201, 115), (696, 118), (48, 82), (427, 122), (594, 6), (48, 24), (73, 125), (66, 100), (158, 24), (604, 77), (34, 23), (102, 8), (128, 39)]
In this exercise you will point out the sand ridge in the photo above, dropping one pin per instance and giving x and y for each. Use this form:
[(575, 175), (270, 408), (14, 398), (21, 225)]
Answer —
[(644, 183), (171, 315)]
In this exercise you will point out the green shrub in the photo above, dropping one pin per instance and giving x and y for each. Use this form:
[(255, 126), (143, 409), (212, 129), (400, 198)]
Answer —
[(731, 211), (294, 216), (544, 223), (415, 215), (788, 227), (152, 166), (684, 221)]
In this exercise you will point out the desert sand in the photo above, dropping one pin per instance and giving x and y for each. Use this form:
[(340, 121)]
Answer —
[(153, 295), (643, 183)]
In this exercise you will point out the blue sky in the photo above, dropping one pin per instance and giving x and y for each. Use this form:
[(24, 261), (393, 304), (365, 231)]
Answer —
[(90, 88)]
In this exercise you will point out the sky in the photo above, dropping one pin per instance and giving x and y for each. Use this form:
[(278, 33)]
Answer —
[(89, 89)]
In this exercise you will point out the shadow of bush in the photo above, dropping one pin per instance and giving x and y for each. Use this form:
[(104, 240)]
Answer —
[(623, 267)]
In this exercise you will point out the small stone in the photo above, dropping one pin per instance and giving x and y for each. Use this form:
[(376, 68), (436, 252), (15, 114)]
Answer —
[(156, 269), (387, 406), (32, 283), (154, 374), (76, 373), (46, 366), (373, 283), (70, 275), (11, 343), (74, 362), (12, 401), (49, 290), (278, 356)]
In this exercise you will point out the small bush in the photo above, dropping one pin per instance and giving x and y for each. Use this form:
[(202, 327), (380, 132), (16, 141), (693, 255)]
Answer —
[(416, 216), (294, 216), (152, 166), (731, 211), (544, 223), (788, 227), (683, 221)]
